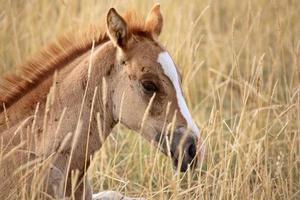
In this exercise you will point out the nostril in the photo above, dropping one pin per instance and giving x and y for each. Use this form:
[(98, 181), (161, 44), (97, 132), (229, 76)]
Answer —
[(192, 151)]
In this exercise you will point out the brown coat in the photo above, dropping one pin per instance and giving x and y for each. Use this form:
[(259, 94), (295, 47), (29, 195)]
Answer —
[(67, 100)]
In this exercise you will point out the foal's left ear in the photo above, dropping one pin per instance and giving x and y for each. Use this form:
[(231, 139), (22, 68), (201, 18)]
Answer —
[(117, 29), (154, 21)]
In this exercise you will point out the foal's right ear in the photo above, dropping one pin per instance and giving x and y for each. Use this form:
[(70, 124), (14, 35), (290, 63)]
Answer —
[(117, 29)]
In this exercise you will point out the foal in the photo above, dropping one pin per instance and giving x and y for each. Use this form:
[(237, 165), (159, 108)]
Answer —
[(67, 100)]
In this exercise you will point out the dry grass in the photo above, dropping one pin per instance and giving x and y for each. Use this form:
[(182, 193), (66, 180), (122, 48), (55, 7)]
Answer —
[(240, 63)]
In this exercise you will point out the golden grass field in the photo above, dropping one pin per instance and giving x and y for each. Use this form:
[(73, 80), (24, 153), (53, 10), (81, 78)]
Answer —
[(240, 62)]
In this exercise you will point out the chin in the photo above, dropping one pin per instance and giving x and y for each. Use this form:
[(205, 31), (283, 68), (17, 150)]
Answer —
[(183, 167)]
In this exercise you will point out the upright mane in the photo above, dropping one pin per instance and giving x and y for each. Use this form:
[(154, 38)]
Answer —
[(57, 55)]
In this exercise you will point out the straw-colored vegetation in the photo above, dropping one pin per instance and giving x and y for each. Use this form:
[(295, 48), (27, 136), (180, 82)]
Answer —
[(241, 77)]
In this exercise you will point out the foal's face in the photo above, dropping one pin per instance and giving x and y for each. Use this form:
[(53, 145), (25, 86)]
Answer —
[(148, 96)]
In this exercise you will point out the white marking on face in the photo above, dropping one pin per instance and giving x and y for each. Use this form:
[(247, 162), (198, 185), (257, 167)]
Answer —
[(170, 71)]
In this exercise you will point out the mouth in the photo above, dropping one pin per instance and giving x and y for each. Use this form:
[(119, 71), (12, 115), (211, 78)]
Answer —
[(182, 168), (182, 149), (183, 162)]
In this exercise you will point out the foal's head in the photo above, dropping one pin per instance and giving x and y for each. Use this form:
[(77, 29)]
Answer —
[(148, 97)]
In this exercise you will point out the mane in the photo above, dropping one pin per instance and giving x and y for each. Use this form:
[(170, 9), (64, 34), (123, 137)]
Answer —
[(57, 55)]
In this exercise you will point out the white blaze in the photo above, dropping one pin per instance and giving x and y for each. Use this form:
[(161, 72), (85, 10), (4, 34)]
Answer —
[(170, 71)]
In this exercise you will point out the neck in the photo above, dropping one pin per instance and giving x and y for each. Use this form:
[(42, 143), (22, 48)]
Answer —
[(94, 119), (98, 89)]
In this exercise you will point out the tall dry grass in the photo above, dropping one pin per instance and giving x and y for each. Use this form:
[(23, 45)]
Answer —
[(241, 77)]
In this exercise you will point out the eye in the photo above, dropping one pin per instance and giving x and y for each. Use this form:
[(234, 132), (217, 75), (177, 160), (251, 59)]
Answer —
[(149, 86)]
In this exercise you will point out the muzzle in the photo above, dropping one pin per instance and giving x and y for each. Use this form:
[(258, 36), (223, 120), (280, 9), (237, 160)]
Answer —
[(184, 147)]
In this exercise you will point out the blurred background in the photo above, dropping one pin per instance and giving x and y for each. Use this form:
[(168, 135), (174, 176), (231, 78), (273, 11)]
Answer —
[(241, 76)]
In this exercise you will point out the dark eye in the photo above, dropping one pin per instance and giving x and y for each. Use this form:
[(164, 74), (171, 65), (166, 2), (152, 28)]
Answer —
[(149, 86)]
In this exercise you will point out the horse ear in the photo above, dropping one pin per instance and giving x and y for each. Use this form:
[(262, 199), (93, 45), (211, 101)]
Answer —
[(117, 29), (154, 21)]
